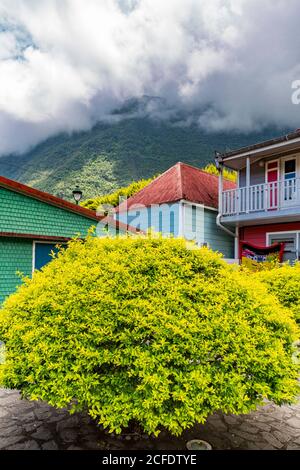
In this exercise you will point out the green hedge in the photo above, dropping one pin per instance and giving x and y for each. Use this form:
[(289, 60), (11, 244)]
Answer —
[(146, 330)]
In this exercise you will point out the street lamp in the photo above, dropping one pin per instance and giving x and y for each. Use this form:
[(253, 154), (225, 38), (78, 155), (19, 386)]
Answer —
[(77, 194)]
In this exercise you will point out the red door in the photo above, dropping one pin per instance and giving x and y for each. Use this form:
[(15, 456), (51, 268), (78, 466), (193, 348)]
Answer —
[(272, 178)]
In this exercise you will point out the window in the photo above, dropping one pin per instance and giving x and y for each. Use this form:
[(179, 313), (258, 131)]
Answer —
[(194, 218), (42, 253), (290, 169), (289, 184), (291, 243)]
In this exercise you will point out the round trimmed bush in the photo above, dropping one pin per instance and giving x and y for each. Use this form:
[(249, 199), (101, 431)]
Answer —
[(145, 330), (284, 282)]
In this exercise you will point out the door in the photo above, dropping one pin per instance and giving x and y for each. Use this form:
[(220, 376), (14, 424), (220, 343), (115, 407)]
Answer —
[(289, 188), (272, 178)]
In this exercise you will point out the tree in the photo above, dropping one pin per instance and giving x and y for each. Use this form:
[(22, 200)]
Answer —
[(147, 330), (113, 199)]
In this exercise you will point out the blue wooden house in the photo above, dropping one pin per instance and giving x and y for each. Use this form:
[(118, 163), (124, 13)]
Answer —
[(182, 202)]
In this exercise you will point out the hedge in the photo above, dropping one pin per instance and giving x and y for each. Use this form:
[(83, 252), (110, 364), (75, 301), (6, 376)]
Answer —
[(284, 282), (148, 331)]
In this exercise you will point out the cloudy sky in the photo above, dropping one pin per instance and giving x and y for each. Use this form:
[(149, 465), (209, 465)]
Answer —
[(64, 64)]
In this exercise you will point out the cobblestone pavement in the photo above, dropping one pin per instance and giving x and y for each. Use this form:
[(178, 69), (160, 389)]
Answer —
[(35, 425)]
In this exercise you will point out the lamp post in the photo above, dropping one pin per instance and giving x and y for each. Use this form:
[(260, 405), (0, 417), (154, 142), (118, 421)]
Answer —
[(77, 194)]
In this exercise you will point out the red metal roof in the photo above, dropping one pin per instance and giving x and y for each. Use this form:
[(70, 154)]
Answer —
[(180, 182)]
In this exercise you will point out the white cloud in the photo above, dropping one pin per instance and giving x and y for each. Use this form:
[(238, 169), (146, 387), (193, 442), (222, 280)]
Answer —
[(64, 64)]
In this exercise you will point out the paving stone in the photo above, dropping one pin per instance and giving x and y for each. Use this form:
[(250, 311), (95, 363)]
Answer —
[(294, 423), (10, 400), (94, 445), (217, 423), (69, 422), (246, 435), (23, 405), (68, 435), (27, 445), (42, 434), (231, 420), (9, 431), (3, 412), (248, 428), (293, 447), (27, 417), (88, 429), (50, 445), (252, 446), (281, 436), (5, 442), (263, 426), (271, 439), (55, 419), (31, 427), (36, 425), (42, 413)]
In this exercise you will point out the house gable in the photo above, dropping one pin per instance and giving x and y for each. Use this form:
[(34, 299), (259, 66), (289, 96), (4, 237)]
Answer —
[(21, 214)]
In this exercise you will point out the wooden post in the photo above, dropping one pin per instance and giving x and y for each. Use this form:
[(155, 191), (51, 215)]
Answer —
[(247, 184), (221, 190)]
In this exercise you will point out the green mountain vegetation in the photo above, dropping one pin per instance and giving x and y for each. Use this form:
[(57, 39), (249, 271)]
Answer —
[(113, 155)]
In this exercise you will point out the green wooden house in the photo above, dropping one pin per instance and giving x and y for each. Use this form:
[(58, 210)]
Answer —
[(32, 222)]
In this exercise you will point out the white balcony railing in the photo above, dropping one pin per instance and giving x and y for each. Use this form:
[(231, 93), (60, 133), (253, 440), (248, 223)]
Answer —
[(261, 197)]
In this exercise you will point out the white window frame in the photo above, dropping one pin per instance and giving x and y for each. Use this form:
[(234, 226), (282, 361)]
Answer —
[(286, 232), (286, 159), (45, 242)]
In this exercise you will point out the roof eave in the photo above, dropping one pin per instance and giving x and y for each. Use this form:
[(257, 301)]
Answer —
[(237, 160)]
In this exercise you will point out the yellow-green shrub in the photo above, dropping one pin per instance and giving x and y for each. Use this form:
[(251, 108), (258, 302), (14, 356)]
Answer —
[(230, 175), (140, 329), (113, 199), (284, 282)]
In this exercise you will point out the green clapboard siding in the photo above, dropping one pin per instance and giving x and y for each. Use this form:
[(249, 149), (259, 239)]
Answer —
[(216, 238), (23, 214), (15, 255)]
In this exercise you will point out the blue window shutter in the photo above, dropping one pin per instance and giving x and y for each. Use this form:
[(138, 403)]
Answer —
[(172, 222), (149, 217), (160, 221), (194, 218)]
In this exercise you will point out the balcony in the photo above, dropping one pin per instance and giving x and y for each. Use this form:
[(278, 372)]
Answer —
[(262, 201)]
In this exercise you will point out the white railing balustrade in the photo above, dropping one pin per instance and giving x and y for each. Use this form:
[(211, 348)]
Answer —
[(261, 197)]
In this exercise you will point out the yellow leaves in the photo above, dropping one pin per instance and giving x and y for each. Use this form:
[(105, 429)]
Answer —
[(146, 329)]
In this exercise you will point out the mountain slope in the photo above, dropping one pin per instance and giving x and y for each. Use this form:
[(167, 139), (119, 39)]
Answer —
[(114, 154)]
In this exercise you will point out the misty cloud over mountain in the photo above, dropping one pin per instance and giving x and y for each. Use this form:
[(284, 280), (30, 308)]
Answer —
[(226, 64)]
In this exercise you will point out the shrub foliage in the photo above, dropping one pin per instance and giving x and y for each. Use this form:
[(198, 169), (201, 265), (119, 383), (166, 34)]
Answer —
[(146, 330), (284, 282), (113, 199)]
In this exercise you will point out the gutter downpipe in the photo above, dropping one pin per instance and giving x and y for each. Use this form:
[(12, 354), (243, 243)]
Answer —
[(219, 165)]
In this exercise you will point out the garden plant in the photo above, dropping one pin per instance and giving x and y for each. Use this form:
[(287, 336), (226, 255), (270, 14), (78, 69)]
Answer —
[(147, 330)]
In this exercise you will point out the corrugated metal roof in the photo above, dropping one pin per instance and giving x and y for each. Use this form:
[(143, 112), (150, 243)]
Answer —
[(181, 181)]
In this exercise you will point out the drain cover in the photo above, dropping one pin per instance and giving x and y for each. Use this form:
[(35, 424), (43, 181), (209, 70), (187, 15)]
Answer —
[(198, 444)]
